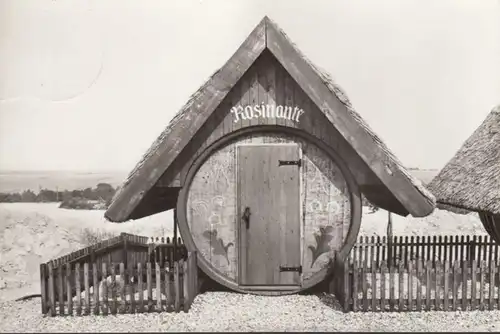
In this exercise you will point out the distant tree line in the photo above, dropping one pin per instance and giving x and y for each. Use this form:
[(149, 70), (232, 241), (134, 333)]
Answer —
[(102, 193)]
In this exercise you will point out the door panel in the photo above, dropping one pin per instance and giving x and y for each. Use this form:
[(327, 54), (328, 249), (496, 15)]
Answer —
[(271, 192)]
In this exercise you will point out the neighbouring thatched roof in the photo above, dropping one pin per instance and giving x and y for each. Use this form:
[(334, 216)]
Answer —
[(153, 164), (471, 179)]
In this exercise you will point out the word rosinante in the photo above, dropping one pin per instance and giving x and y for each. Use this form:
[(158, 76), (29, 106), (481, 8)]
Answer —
[(266, 111)]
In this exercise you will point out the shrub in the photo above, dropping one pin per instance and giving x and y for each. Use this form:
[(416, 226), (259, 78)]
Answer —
[(91, 237)]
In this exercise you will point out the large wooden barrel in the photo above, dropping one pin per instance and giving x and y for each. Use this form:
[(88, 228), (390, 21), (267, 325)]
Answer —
[(268, 211)]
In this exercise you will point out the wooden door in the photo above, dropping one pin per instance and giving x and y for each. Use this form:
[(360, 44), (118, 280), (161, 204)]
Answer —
[(271, 238)]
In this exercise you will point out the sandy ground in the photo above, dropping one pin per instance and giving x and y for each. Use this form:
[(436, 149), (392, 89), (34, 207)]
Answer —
[(32, 233)]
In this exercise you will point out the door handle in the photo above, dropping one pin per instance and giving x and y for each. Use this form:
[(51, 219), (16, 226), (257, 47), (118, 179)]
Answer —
[(246, 216)]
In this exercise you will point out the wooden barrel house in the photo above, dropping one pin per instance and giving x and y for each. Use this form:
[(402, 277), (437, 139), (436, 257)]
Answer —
[(264, 168)]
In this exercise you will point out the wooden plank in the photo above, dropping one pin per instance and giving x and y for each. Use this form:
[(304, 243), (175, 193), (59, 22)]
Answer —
[(455, 284), (131, 283), (69, 290), (428, 284), (401, 272), (373, 282), (95, 282), (78, 289), (465, 274), (186, 292), (52, 290), (392, 286), (60, 288), (363, 282), (177, 302), (159, 307), (149, 283), (481, 285), (473, 292), (437, 284), (446, 286), (180, 135), (491, 284), (497, 276), (140, 287), (168, 288), (445, 249), (355, 273), (419, 285), (382, 285), (86, 287), (347, 291), (114, 302), (105, 307), (123, 300), (43, 287), (410, 286), (338, 114)]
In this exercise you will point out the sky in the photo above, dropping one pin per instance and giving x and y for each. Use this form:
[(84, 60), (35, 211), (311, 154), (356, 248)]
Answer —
[(89, 85)]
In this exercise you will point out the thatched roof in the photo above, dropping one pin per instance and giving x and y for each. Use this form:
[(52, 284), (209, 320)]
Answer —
[(399, 182), (471, 179)]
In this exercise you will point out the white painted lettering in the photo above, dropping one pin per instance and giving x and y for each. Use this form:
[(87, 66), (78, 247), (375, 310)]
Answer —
[(266, 111)]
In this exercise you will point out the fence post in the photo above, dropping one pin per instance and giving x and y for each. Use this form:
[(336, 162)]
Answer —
[(186, 283), (43, 287)]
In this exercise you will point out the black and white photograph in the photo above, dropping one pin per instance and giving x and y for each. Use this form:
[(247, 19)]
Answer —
[(249, 165)]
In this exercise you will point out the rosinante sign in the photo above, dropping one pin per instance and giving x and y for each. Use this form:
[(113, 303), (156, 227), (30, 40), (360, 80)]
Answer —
[(266, 111)]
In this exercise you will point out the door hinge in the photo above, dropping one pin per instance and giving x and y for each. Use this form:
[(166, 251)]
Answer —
[(290, 162), (297, 269)]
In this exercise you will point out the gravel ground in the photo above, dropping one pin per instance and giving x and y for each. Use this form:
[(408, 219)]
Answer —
[(223, 311)]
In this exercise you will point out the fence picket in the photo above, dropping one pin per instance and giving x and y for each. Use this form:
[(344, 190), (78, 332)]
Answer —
[(355, 286), (123, 299), (69, 291), (149, 283), (455, 284), (140, 287), (95, 281), (410, 286), (187, 293), (473, 292), (419, 284), (391, 286), (347, 285), (428, 285), (465, 273), (437, 284), (131, 283), (60, 286), (446, 276), (78, 289), (158, 287), (401, 273), (105, 299), (481, 286), (383, 268), (177, 302), (168, 288), (491, 284), (114, 302), (52, 292), (373, 282)]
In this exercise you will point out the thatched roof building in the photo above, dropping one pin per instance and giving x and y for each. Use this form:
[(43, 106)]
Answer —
[(385, 183), (471, 179)]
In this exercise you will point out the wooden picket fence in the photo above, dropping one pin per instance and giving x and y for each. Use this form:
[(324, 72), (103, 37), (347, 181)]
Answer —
[(115, 289), (450, 248), (419, 274)]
